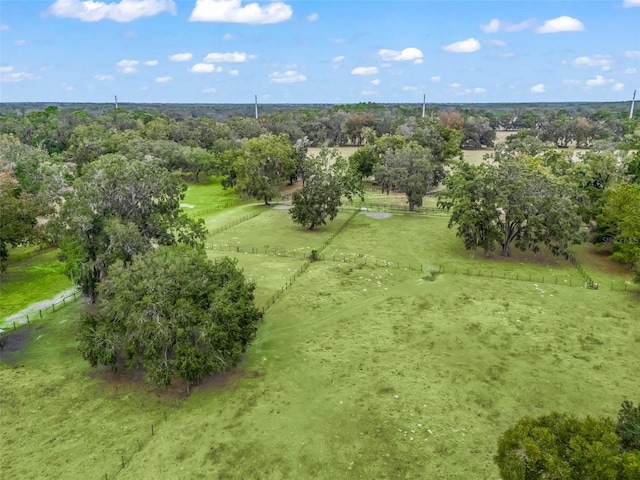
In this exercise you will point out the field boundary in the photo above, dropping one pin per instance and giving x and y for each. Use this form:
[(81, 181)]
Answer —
[(235, 222), (16, 320)]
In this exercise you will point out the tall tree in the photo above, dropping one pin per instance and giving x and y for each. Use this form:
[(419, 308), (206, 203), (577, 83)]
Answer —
[(409, 170), (508, 203), (175, 313), (117, 209), (329, 178), (564, 447), (262, 165)]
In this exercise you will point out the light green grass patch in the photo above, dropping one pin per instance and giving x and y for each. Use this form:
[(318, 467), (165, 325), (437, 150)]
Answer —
[(32, 276), (348, 380)]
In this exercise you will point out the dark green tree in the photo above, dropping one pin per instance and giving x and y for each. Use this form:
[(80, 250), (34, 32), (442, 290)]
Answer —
[(117, 209), (329, 179), (173, 312), (409, 170), (262, 165), (509, 203)]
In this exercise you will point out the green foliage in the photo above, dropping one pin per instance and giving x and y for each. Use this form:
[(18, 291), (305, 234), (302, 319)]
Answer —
[(619, 222), (409, 170), (173, 312), (564, 447), (18, 216), (628, 426), (510, 202), (116, 210), (262, 165), (329, 178)]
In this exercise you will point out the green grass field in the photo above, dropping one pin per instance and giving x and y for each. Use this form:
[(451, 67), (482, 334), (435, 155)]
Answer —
[(376, 370), (32, 275)]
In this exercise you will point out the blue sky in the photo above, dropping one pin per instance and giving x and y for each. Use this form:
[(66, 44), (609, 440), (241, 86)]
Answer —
[(225, 51)]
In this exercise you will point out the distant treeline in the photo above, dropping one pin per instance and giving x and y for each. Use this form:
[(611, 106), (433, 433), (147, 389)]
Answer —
[(222, 111)]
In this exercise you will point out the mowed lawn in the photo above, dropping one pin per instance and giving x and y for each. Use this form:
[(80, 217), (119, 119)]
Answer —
[(358, 371)]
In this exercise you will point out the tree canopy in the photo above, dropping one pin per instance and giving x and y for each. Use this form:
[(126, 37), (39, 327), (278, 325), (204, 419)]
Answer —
[(117, 209), (328, 179), (173, 312), (507, 203), (564, 447), (262, 164)]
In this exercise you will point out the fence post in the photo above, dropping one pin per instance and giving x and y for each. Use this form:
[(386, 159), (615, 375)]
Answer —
[(152, 429), (40, 311)]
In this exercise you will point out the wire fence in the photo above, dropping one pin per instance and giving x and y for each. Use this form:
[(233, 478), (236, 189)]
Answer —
[(16, 321), (218, 207), (236, 222), (389, 207)]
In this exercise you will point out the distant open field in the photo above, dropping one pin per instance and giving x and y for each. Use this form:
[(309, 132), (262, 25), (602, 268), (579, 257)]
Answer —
[(370, 364)]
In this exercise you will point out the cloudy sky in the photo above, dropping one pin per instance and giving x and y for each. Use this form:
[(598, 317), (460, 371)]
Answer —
[(225, 51)]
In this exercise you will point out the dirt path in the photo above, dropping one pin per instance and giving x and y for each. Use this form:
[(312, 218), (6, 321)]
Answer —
[(20, 318)]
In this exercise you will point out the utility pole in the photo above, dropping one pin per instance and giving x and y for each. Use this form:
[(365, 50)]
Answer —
[(116, 99), (256, 107), (424, 104), (632, 105)]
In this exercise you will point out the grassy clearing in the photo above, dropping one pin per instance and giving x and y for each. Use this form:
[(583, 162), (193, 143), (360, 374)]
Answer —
[(207, 199), (63, 419), (412, 379), (346, 152), (32, 275), (357, 371)]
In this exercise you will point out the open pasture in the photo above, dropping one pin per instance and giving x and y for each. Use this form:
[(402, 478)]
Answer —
[(359, 371)]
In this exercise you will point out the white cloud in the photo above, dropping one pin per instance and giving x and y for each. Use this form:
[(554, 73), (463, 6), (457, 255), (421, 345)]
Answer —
[(67, 87), (128, 66), (203, 68), (229, 57), (313, 17), (232, 11), (368, 93), (228, 36), (631, 3), (409, 88), (209, 90), (632, 54), (103, 78), (19, 43), (4, 27), (496, 43), (630, 71), (464, 46), (496, 25), (617, 87), (455, 85), (479, 90), (561, 24), (492, 27), (163, 79), (122, 11), (408, 54), (7, 74), (539, 88), (435, 79), (338, 59), (181, 57), (234, 73), (151, 63), (598, 81), (375, 82), (602, 61), (290, 76), (365, 71)]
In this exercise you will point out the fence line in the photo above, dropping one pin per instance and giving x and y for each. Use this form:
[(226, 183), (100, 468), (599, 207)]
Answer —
[(387, 207), (314, 255), (37, 314), (236, 222), (217, 208)]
